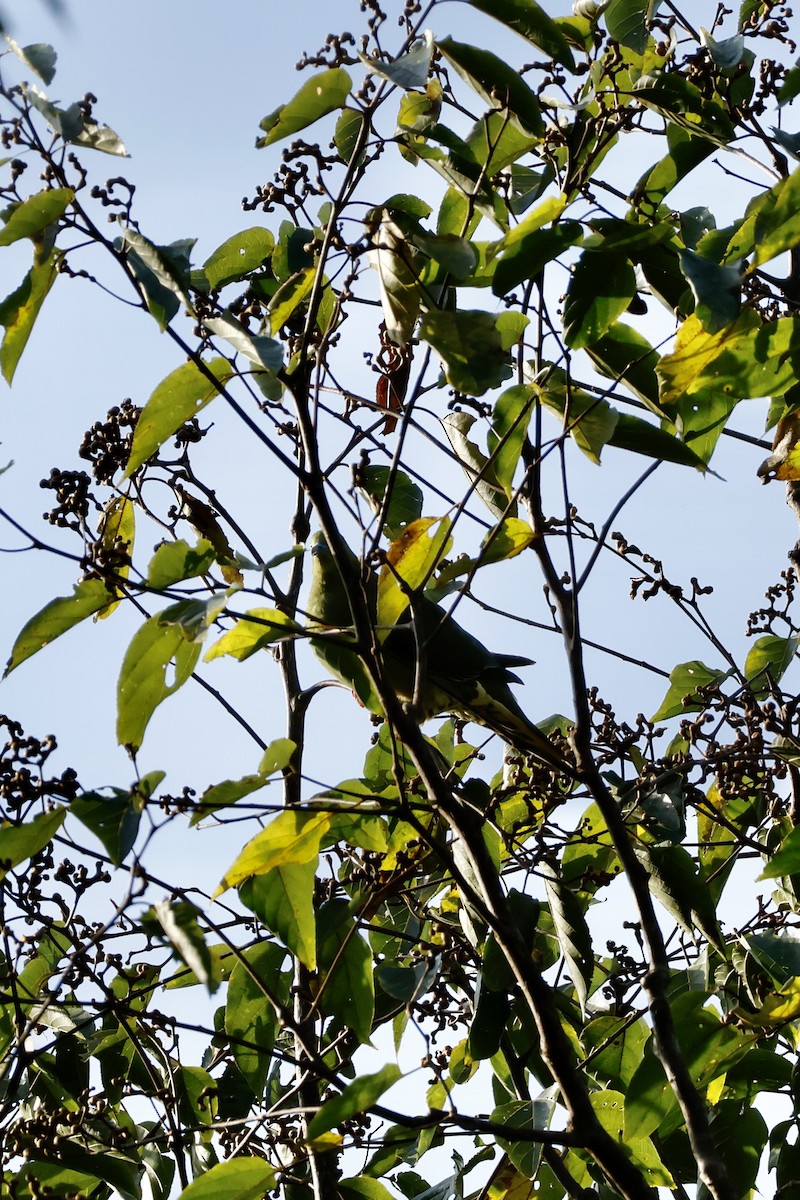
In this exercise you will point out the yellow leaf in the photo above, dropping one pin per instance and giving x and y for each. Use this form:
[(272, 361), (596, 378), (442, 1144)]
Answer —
[(784, 462), (694, 350)]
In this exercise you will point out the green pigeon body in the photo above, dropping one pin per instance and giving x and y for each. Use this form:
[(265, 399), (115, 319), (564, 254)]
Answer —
[(459, 674)]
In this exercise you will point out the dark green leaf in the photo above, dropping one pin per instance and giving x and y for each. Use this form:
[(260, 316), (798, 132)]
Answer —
[(497, 83), (348, 130), (251, 1018), (57, 617), (529, 20), (716, 290), (531, 255), (163, 272), (176, 400), (572, 932), (405, 502), (510, 419), (600, 289), (321, 94), (113, 819), (470, 343), (625, 355)]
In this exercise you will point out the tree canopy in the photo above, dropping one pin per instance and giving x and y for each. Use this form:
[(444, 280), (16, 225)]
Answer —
[(514, 268)]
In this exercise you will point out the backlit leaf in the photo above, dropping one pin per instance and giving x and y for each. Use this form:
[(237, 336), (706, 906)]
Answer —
[(685, 681), (33, 215), (292, 837), (178, 398), (155, 649), (253, 630), (319, 95), (251, 1021), (18, 843), (57, 617), (357, 1097), (240, 1178), (18, 312), (471, 347), (496, 82), (600, 289), (238, 256)]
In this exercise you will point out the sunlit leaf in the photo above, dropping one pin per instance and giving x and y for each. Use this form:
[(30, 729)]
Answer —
[(18, 312), (39, 56), (253, 630), (410, 563), (155, 650), (357, 1097), (507, 540), (18, 843), (238, 257), (240, 1178), (57, 617), (30, 217), (175, 561), (291, 838), (177, 399), (321, 94)]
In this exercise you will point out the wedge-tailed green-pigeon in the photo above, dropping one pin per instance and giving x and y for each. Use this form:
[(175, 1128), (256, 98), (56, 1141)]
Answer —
[(459, 675)]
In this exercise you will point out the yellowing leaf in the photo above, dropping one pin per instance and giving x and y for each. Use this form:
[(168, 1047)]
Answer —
[(510, 538), (293, 837), (254, 629), (679, 371), (784, 462), (410, 562)]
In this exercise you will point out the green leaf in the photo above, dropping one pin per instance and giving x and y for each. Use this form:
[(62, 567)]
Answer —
[(768, 660), (164, 273), (600, 290), (626, 22), (507, 540), (625, 355), (363, 1188), (357, 1097), (57, 617), (496, 82), (785, 860), (749, 365), (319, 95), (529, 20), (716, 290), (239, 1178), (348, 130), (288, 298), (405, 501), (18, 312), (253, 631), (114, 820), (263, 352), (695, 350), (142, 684), (479, 469), (777, 223), (685, 681), (175, 401), (572, 932), (393, 258), (175, 561), (39, 56), (283, 899), (176, 923), (527, 258), (524, 1115), (292, 837), (29, 218), (614, 1047), (238, 257), (251, 1020), (347, 988), (510, 420), (470, 344), (18, 843)]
